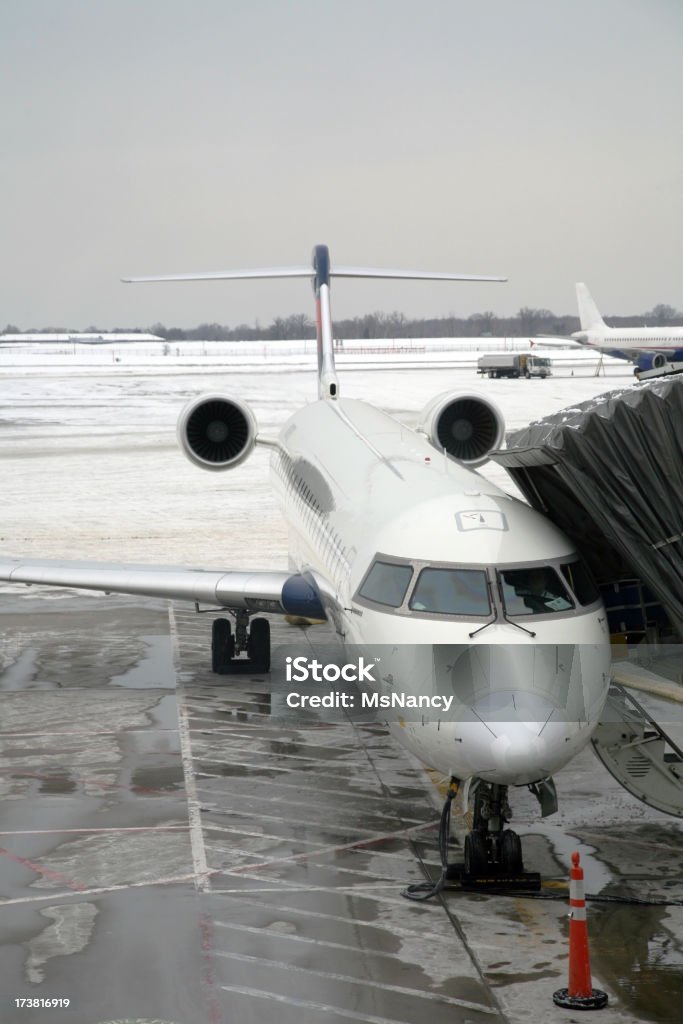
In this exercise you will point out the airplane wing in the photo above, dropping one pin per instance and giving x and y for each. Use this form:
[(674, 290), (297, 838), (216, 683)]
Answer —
[(554, 341), (281, 593)]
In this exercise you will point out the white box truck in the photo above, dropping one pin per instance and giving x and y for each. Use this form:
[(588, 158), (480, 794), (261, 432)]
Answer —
[(514, 364)]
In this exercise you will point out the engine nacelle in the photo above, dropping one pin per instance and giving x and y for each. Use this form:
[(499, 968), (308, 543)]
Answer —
[(217, 432), (651, 361), (469, 427)]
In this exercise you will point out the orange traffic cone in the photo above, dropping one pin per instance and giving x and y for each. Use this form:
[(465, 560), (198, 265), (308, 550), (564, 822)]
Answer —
[(580, 995)]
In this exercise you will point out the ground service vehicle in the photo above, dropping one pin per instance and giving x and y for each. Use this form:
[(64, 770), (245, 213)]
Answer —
[(513, 364)]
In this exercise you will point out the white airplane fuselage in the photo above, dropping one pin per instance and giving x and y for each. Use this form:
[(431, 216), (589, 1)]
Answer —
[(631, 342), (356, 484)]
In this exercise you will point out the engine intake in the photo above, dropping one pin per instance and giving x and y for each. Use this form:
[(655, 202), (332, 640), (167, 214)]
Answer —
[(468, 427), (217, 432)]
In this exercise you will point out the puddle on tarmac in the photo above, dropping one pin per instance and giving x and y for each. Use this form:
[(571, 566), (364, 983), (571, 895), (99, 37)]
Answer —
[(635, 950), (153, 669)]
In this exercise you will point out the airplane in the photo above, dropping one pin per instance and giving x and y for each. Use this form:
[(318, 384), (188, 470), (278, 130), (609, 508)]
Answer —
[(404, 548), (651, 348)]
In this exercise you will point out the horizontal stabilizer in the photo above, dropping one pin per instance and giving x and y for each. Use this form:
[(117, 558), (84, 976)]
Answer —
[(303, 271), (220, 275), (407, 275)]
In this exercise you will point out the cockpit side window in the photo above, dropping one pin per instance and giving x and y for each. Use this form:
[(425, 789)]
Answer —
[(580, 580), (387, 583), (536, 590), (451, 592)]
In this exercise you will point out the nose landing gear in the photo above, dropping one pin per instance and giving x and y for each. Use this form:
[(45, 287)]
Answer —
[(226, 646), (490, 847), (492, 853)]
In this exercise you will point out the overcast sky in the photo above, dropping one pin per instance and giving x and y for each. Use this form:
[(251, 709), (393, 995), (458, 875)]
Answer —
[(533, 139)]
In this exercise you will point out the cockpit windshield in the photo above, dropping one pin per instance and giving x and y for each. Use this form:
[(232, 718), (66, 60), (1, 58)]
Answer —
[(581, 582), (536, 590), (477, 592), (451, 592), (387, 583)]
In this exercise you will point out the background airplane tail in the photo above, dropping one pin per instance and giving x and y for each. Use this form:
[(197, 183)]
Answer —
[(589, 314)]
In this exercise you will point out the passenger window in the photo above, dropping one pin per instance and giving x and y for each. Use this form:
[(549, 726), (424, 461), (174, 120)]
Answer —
[(580, 580), (387, 583), (535, 591), (451, 592)]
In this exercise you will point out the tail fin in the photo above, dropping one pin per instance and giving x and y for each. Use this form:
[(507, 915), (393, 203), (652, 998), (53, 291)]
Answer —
[(320, 272), (589, 314)]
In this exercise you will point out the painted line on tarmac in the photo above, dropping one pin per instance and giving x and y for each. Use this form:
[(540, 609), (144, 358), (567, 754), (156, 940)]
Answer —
[(206, 931), (354, 845), (364, 982), (201, 867), (65, 831), (400, 931), (100, 890), (54, 876), (81, 732), (325, 1007)]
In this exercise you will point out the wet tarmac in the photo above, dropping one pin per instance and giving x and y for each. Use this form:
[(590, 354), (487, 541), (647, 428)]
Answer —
[(174, 849)]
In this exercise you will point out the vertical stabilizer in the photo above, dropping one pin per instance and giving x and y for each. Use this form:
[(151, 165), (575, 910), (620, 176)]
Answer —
[(589, 314), (328, 384)]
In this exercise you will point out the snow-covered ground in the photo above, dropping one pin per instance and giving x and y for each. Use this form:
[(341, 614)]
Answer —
[(91, 467)]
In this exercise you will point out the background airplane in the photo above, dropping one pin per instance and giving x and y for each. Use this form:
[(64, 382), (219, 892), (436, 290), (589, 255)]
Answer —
[(649, 347)]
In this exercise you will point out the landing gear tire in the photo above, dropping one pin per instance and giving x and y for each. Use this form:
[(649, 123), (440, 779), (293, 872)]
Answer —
[(511, 852), (222, 646), (476, 853), (258, 645)]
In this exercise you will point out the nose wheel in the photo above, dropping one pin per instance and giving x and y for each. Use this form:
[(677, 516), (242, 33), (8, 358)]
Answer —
[(490, 847), (492, 854)]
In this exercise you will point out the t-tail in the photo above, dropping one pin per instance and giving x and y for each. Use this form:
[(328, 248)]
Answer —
[(320, 272), (589, 314)]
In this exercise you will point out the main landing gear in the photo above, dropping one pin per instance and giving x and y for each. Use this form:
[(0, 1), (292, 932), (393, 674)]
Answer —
[(226, 645)]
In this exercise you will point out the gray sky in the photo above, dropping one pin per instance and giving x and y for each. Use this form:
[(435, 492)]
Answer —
[(537, 139)]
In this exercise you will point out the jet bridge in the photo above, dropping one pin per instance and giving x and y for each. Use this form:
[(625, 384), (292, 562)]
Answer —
[(609, 473)]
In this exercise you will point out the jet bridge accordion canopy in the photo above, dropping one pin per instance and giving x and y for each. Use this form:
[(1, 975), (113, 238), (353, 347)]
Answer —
[(609, 473)]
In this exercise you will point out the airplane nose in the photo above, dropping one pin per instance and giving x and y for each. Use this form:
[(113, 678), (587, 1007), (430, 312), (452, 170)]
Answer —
[(520, 754), (521, 682), (520, 728)]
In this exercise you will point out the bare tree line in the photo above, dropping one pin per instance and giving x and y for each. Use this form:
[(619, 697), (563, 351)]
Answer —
[(385, 325)]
